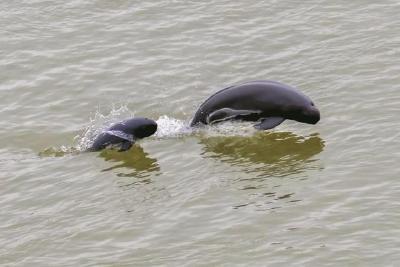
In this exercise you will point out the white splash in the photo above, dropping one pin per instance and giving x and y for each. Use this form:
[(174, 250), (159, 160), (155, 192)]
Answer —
[(99, 123), (171, 127), (167, 127)]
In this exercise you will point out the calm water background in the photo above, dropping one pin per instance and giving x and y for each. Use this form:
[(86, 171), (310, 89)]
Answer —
[(300, 195)]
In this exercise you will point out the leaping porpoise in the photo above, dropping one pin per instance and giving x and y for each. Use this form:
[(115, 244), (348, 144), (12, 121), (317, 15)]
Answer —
[(268, 101), (124, 134)]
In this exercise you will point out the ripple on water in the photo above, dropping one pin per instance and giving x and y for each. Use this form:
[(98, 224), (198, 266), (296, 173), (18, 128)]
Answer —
[(299, 195)]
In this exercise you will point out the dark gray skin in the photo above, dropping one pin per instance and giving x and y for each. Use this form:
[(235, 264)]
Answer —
[(269, 102), (124, 134)]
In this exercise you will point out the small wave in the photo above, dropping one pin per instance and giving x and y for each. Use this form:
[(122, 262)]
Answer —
[(57, 151)]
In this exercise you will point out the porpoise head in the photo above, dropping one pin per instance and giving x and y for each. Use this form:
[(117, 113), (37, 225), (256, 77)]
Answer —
[(138, 127), (145, 128), (306, 113)]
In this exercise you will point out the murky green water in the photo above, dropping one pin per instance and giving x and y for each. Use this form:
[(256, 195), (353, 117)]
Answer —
[(300, 195)]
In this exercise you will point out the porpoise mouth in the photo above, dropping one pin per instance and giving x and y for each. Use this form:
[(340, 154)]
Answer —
[(314, 115)]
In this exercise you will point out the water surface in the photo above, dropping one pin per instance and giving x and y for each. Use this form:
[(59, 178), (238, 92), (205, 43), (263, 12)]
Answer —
[(300, 195)]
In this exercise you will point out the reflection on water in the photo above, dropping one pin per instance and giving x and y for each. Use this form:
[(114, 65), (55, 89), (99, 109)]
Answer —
[(264, 155), (271, 154), (135, 160)]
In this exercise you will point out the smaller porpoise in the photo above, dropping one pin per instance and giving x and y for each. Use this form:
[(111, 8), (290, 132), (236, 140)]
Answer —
[(124, 134), (269, 102)]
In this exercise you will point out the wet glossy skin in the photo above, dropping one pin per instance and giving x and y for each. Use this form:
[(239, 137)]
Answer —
[(265, 98), (135, 128)]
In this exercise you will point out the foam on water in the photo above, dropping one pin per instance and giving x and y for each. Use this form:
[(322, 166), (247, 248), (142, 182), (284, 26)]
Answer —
[(171, 127)]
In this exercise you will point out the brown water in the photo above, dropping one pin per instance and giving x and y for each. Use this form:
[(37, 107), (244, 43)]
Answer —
[(300, 195)]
